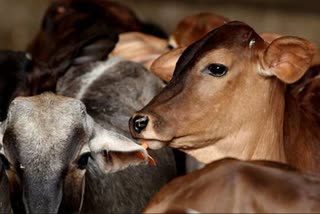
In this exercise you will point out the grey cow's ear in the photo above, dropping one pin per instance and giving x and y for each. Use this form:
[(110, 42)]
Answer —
[(112, 151)]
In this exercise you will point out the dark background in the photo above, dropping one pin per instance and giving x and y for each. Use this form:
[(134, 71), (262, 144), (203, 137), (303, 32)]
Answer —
[(20, 19)]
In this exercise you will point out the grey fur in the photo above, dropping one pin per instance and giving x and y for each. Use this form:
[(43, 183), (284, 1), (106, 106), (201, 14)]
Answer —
[(38, 142), (44, 138), (111, 99)]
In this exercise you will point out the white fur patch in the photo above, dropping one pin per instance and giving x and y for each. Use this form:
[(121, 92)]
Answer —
[(300, 89), (112, 143), (96, 72), (191, 211), (252, 42), (173, 42), (2, 128), (29, 56), (264, 73)]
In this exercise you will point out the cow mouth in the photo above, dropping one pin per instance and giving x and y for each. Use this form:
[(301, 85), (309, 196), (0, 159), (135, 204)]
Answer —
[(154, 144), (186, 142)]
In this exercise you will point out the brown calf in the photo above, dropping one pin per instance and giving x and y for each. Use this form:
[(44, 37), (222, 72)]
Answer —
[(233, 186), (228, 97)]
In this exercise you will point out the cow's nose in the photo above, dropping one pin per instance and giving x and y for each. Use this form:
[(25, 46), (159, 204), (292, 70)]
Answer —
[(139, 123)]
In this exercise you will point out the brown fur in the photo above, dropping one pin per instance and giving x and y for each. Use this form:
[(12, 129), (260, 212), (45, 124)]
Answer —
[(233, 186), (194, 27), (302, 121), (140, 48)]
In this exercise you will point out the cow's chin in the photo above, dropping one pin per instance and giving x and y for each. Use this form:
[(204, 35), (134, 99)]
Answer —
[(154, 144)]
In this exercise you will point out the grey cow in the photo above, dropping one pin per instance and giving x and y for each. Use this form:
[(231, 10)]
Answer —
[(112, 90), (53, 152)]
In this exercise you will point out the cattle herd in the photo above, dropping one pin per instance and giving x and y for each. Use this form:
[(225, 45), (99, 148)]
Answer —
[(106, 113)]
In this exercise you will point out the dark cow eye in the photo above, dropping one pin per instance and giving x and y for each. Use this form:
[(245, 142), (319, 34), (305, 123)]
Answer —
[(83, 160), (216, 70)]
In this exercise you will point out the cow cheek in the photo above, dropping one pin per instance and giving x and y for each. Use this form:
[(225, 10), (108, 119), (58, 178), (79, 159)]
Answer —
[(73, 191), (15, 191)]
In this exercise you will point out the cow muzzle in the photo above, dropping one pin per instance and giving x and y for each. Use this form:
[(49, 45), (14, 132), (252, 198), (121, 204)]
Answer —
[(148, 129)]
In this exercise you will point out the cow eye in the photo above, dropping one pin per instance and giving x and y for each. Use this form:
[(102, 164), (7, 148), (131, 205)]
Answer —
[(83, 160), (216, 70)]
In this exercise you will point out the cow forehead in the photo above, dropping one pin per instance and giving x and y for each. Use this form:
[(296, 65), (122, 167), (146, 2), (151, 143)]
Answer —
[(46, 115), (45, 129), (235, 36), (46, 107)]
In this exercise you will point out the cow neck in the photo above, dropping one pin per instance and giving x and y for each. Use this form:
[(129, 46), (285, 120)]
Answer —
[(301, 133), (260, 137)]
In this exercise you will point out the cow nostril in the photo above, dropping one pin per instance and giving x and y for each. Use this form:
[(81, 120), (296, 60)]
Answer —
[(140, 123)]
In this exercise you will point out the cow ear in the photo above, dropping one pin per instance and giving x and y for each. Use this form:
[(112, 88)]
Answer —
[(113, 152), (164, 66), (288, 58), (140, 48), (96, 50)]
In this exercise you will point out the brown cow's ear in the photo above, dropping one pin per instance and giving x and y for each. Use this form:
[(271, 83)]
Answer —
[(140, 48), (288, 58), (164, 66)]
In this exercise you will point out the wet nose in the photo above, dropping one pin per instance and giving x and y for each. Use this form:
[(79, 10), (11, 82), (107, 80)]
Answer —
[(139, 123)]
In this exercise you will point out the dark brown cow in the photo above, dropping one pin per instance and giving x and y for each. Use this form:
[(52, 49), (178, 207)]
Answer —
[(233, 186), (81, 29), (228, 97)]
